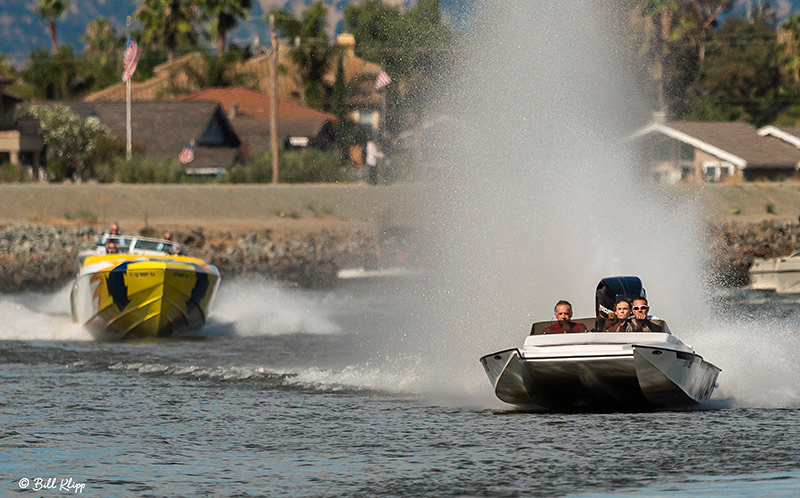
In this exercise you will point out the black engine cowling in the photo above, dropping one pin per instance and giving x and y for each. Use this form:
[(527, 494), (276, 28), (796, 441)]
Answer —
[(610, 290)]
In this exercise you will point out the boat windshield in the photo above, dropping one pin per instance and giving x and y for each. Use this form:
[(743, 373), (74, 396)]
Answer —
[(132, 244)]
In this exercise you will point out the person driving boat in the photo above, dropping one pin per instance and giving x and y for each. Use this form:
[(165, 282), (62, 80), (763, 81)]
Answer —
[(564, 323)]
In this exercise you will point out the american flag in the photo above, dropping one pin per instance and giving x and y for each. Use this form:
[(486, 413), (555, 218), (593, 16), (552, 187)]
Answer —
[(187, 154), (130, 59), (382, 80)]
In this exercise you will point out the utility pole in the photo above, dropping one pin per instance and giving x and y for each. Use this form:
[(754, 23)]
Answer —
[(273, 100), (128, 147)]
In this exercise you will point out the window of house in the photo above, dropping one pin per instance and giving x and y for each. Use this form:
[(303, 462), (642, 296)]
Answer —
[(686, 152)]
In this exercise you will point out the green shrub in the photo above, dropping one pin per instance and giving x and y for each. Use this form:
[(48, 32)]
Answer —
[(296, 166), (143, 170), (13, 173), (57, 171), (769, 208), (82, 214), (312, 166)]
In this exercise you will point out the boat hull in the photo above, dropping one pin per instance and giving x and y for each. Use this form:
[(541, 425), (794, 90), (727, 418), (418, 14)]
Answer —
[(642, 378), (781, 275), (141, 296)]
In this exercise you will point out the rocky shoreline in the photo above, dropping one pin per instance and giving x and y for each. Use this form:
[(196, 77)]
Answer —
[(38, 257), (43, 257), (733, 246)]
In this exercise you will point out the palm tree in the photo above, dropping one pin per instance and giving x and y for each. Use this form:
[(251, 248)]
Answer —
[(789, 35), (51, 10), (662, 15), (225, 14), (100, 38), (312, 51), (167, 22), (705, 12)]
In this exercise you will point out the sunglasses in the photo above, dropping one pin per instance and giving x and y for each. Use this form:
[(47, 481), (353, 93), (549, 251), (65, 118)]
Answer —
[(637, 308)]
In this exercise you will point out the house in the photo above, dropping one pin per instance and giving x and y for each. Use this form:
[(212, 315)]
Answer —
[(171, 78), (363, 100), (163, 129), (249, 113), (713, 151), (20, 141)]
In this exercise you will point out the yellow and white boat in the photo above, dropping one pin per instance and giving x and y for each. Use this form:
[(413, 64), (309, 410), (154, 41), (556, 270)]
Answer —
[(146, 289)]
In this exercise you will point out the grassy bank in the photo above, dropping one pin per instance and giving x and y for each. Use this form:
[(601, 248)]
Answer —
[(245, 207), (216, 207)]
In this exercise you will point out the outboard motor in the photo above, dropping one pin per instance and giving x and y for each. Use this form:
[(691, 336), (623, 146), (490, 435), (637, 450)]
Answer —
[(612, 289)]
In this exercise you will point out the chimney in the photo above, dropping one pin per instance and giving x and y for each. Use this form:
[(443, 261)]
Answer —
[(233, 112), (659, 117), (347, 42)]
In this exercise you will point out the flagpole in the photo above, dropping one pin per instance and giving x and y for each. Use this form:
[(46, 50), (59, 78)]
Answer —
[(273, 100), (383, 116), (128, 148)]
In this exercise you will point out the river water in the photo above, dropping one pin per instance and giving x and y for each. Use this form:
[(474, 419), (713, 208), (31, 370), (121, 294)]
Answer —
[(290, 392)]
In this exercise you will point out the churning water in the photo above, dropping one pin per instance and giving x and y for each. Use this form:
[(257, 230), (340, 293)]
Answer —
[(376, 389)]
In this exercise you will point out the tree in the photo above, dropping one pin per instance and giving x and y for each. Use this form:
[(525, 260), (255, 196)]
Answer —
[(789, 35), (661, 15), (414, 46), (338, 107), (100, 39), (51, 11), (51, 76), (166, 23), (696, 22), (225, 14), (740, 77), (69, 140), (100, 63), (311, 50)]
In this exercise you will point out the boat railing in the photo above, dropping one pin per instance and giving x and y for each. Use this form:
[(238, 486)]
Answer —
[(600, 338)]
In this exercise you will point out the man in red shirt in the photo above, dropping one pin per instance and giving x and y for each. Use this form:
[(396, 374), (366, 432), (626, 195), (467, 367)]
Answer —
[(564, 325)]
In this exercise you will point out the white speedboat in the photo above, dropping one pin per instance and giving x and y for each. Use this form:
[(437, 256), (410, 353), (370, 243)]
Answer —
[(780, 274), (601, 370)]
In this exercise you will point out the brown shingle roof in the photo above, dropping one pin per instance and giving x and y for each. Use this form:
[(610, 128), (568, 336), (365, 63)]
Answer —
[(792, 130), (742, 140), (165, 128), (256, 104), (255, 132)]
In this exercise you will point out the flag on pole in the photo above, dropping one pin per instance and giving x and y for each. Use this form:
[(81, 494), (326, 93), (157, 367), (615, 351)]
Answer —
[(130, 59), (382, 80), (187, 154)]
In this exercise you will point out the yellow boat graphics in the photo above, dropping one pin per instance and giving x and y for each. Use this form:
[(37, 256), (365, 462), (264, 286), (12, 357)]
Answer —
[(126, 295)]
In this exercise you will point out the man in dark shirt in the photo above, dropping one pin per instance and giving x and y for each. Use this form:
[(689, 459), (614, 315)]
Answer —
[(564, 325), (641, 322)]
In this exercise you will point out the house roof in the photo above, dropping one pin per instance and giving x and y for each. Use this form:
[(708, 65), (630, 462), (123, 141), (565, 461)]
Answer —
[(256, 104), (789, 134), (165, 128), (171, 74), (255, 132), (736, 142), (359, 75)]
